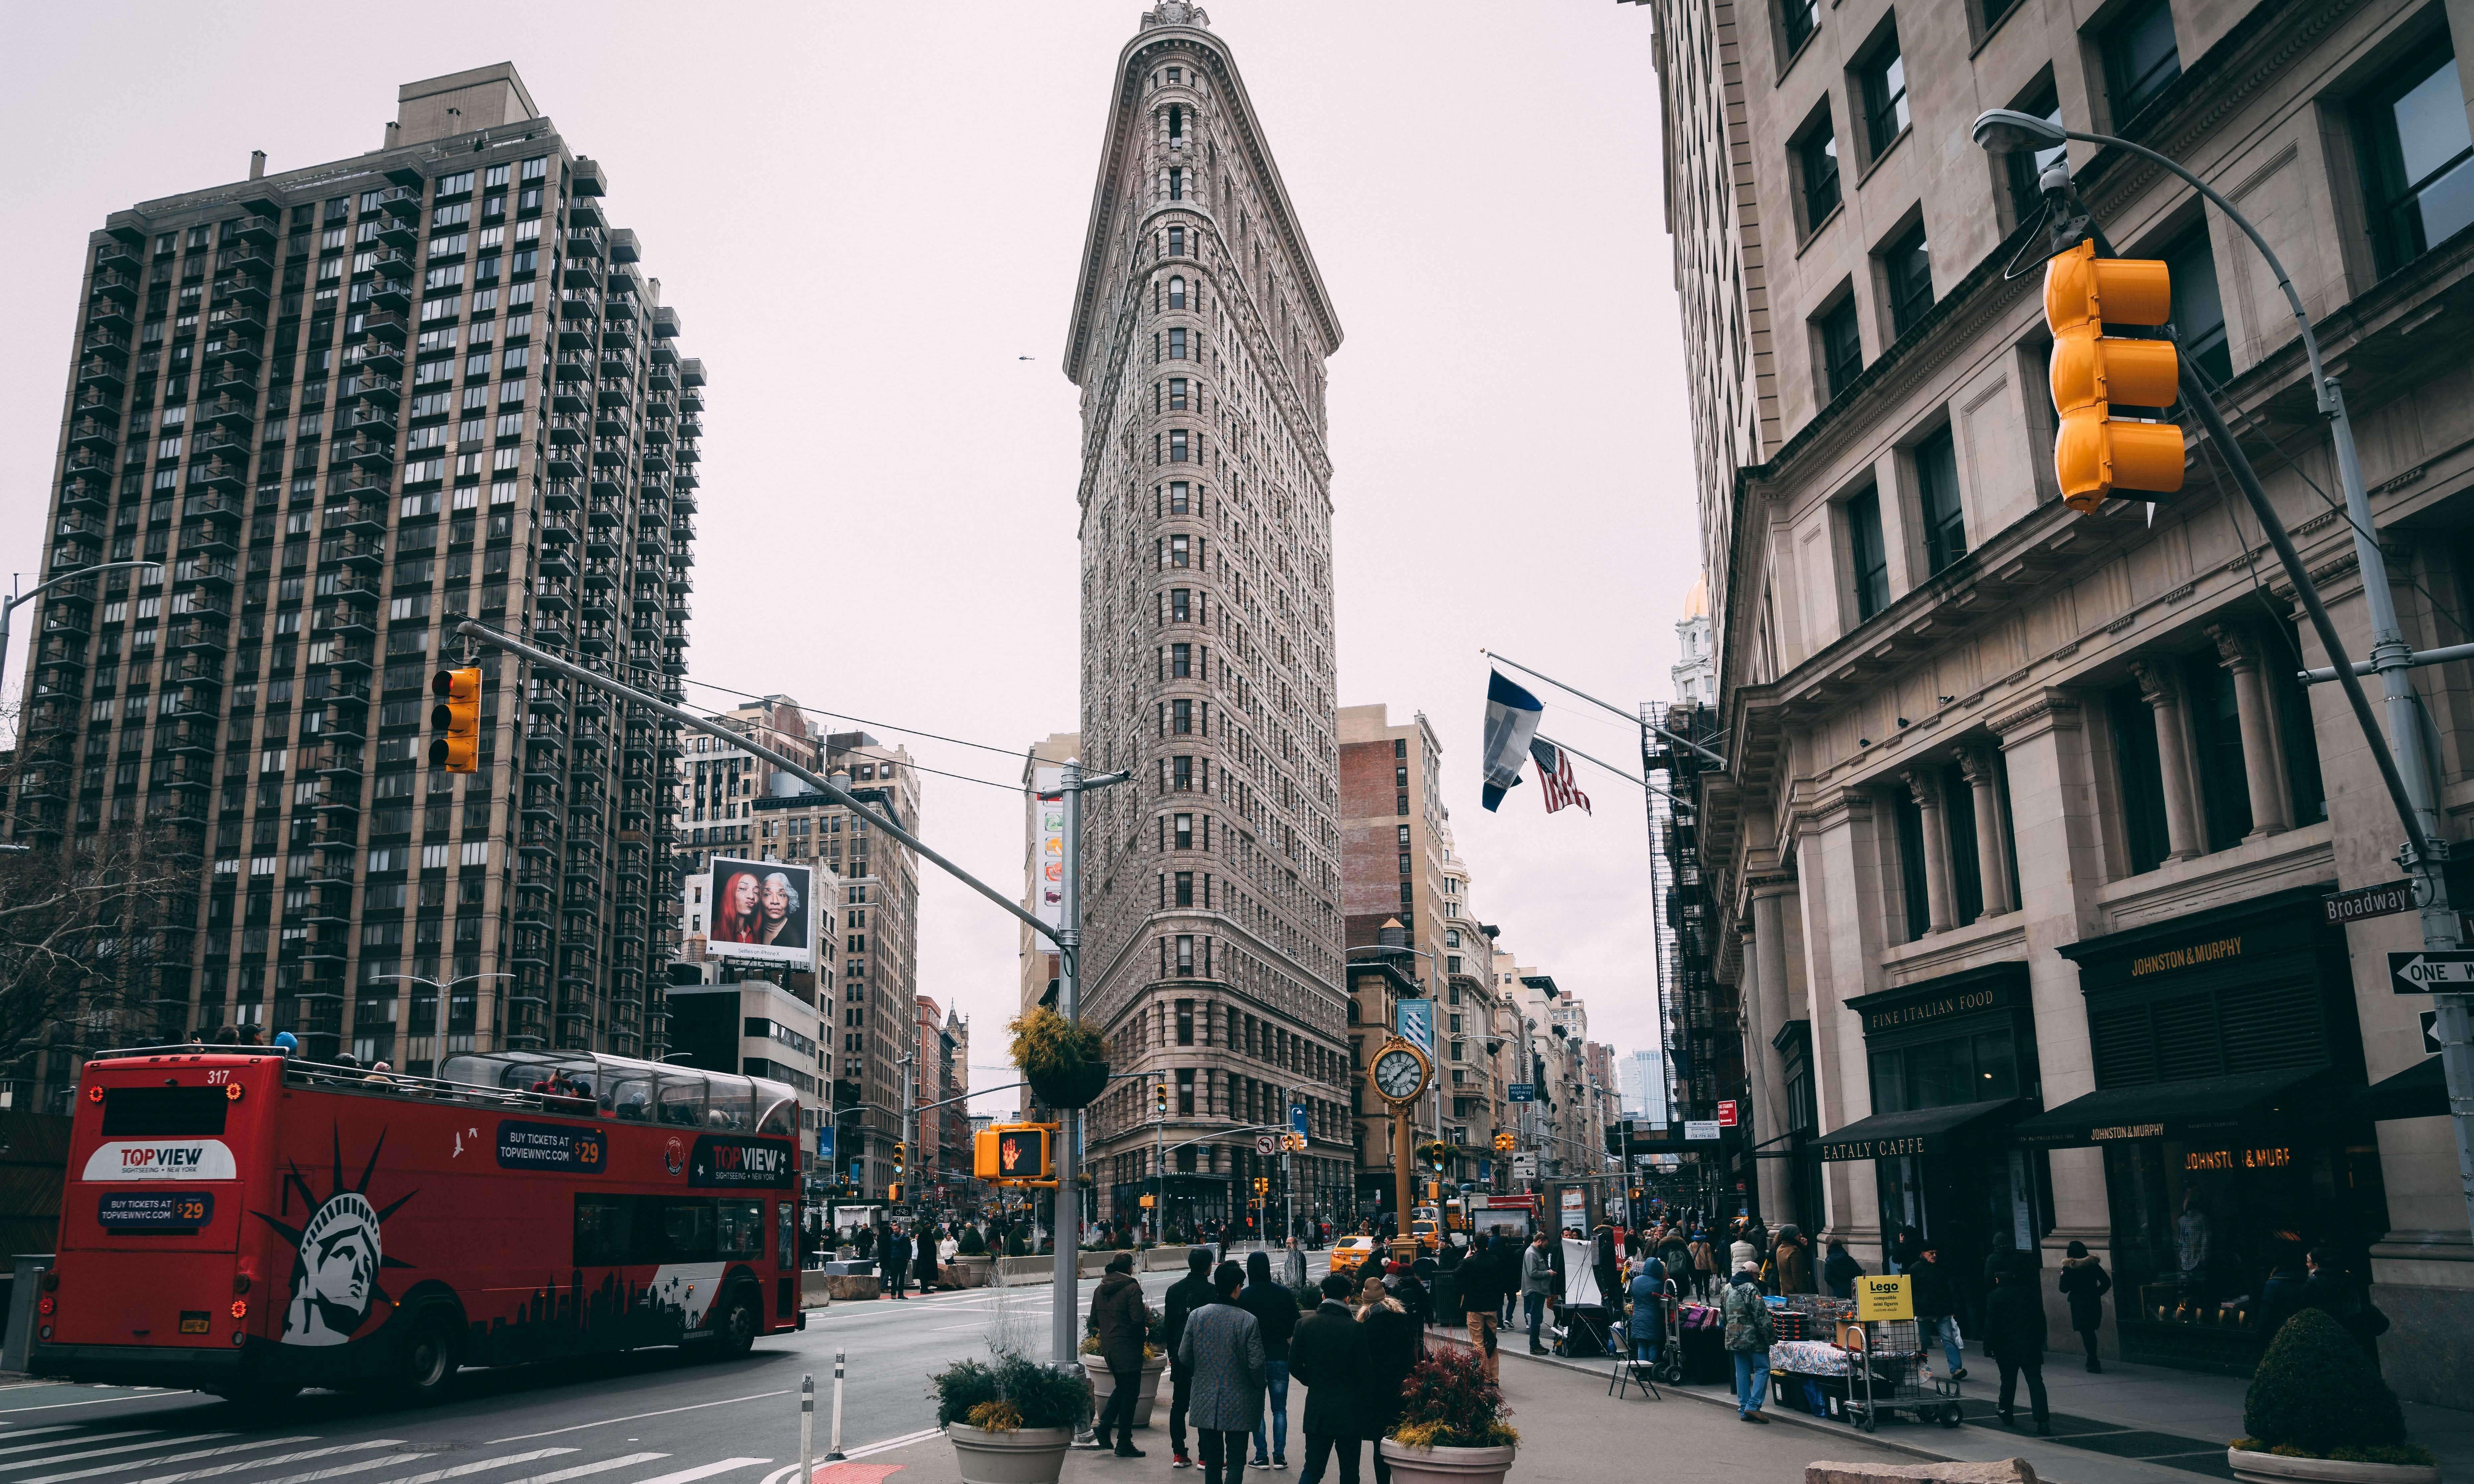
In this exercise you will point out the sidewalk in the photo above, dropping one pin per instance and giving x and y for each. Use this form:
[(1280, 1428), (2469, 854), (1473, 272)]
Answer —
[(2131, 1425)]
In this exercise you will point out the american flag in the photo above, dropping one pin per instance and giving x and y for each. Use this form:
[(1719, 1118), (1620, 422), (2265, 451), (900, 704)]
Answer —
[(1554, 776)]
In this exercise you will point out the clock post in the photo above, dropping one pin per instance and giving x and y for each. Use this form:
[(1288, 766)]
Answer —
[(1400, 1074)]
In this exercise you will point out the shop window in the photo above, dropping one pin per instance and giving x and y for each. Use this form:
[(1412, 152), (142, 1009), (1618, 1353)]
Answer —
[(2417, 155), (2133, 726)]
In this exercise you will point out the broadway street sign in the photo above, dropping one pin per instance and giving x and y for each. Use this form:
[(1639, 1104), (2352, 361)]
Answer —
[(2369, 901)]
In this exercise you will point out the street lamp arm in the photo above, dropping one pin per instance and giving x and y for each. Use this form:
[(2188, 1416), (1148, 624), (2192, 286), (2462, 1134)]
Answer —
[(70, 577)]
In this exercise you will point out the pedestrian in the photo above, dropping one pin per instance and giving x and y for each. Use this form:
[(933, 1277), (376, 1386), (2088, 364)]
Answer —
[(1391, 1341), (1928, 1287), (1676, 1253), (1293, 1267), (2281, 1297), (2331, 1288), (1328, 1354), (1905, 1246), (1223, 1348), (1120, 1318), (1792, 1262), (2014, 1336), (1742, 1249), (947, 1248), (1838, 1269), (1603, 1268), (2084, 1283), (1647, 1325), (897, 1259), (1748, 1335), (1537, 1281), (1705, 1264), (1275, 1308), (1482, 1280), (924, 1247), (1184, 1295)]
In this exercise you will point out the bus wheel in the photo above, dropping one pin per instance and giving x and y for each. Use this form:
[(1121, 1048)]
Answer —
[(735, 1333), (428, 1361)]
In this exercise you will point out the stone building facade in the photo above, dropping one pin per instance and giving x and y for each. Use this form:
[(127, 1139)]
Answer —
[(1198, 331), (2021, 842), (347, 406)]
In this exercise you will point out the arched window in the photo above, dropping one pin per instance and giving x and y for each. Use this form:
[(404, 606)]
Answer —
[(1176, 293)]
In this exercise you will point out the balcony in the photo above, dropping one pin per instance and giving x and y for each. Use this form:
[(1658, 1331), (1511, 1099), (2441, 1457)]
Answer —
[(402, 203), (107, 342), (233, 347), (105, 375), (689, 453), (118, 259), (368, 454), (692, 372), (340, 765), (369, 419), (248, 289), (203, 569), (364, 517), (617, 361), (578, 304), (656, 459), (620, 307), (373, 386), (94, 434), (191, 737), (565, 462), (392, 294), (380, 357), (585, 211), (662, 377), (237, 415), (569, 396), (568, 429), (384, 327), (652, 543), (227, 441), (109, 314), (613, 420)]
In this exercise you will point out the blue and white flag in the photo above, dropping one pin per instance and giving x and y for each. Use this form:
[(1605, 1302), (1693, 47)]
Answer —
[(1511, 720)]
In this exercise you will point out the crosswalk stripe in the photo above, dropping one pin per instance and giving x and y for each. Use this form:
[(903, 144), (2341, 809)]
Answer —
[(91, 1437), (248, 1463), (142, 1463), (687, 1475), (435, 1475), (581, 1470), (338, 1471)]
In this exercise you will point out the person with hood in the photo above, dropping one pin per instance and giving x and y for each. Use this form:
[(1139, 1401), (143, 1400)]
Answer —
[(1935, 1312), (1537, 1283), (1792, 1262), (924, 1249), (1275, 1313), (1705, 1264), (1223, 1349), (1839, 1270), (1480, 1284), (1748, 1334), (1391, 1349), (1676, 1253), (1184, 1295), (1327, 1352), (2085, 1282), (1119, 1318), (897, 1260), (1605, 1268), (1646, 1324), (2014, 1336)]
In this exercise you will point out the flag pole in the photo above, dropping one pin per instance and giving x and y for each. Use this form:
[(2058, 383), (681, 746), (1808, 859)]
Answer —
[(1637, 721), (1617, 772)]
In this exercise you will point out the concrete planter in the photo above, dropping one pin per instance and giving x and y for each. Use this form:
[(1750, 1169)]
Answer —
[(853, 1287), (1447, 1465), (968, 1271), (1027, 1455), (2277, 1469), (1104, 1385)]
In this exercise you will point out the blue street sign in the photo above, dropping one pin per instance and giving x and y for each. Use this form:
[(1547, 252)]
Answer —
[(1521, 1093), (1414, 1021), (859, 1172), (825, 1146), (1485, 1170), (1297, 1120)]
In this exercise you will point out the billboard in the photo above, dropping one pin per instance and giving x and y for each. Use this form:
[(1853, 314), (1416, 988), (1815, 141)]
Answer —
[(1048, 844), (1414, 1021), (764, 910)]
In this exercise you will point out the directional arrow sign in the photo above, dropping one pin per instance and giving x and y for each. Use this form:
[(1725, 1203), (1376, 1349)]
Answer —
[(2433, 972)]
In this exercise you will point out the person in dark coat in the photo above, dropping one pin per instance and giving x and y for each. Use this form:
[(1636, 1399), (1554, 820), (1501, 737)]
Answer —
[(1905, 1247), (897, 1260), (923, 1257), (1275, 1311), (1791, 1262), (1936, 1311), (1120, 1318), (1839, 1271), (1480, 1287), (2281, 1297), (2014, 1336), (1391, 1349), (1327, 1353), (2085, 1282), (2333, 1289), (1184, 1295), (1223, 1348)]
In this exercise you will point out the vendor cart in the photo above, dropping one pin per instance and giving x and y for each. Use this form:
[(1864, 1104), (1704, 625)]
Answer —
[(1889, 1373)]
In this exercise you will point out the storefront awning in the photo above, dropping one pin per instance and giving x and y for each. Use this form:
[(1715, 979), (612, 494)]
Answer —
[(2160, 1109), (1918, 1131), (2419, 1091)]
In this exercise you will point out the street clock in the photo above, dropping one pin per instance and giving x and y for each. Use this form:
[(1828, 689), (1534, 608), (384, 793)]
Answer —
[(1400, 1072)]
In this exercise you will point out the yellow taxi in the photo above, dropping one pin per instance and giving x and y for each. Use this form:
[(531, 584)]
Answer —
[(1429, 1236), (1350, 1252)]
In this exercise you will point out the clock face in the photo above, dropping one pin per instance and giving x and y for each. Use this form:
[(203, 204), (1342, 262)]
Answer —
[(1397, 1073)]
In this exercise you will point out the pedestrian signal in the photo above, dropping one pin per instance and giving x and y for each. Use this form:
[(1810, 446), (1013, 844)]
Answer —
[(2096, 455), (456, 718), (1011, 1153)]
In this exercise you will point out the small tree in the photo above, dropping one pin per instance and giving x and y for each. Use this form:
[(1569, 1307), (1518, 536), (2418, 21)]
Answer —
[(1449, 1402), (2316, 1393)]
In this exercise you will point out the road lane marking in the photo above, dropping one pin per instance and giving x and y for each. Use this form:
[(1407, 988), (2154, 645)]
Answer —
[(524, 1437), (134, 1447), (603, 1467), (435, 1475), (890, 1443), (92, 1437), (338, 1471), (253, 1463), (707, 1470), (134, 1393)]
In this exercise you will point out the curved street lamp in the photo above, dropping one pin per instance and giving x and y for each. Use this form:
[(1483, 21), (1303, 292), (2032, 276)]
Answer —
[(10, 606)]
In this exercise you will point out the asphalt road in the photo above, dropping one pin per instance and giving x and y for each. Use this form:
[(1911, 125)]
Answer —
[(653, 1417)]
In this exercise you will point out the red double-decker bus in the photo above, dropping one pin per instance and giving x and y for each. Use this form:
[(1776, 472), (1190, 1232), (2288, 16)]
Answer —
[(249, 1224)]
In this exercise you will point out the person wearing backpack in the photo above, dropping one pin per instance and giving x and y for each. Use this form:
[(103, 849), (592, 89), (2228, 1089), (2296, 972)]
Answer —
[(1749, 1332)]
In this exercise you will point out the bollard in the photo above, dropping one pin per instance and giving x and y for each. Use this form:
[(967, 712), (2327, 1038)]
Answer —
[(807, 1429), (834, 1456)]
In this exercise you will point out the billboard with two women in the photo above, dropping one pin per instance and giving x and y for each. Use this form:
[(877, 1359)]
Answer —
[(762, 909)]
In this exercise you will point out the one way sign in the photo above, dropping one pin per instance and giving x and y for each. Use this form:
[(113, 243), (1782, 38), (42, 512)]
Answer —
[(2433, 972)]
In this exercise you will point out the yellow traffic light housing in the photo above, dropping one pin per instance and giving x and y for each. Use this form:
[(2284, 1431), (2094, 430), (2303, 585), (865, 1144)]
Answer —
[(457, 718), (2096, 455), (1017, 1154), (1503, 1141), (893, 1193), (1159, 1097)]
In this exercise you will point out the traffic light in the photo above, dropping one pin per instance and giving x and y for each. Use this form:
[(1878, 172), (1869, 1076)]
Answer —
[(457, 718), (1018, 1153), (900, 1150), (893, 1193), (1159, 1097), (1434, 1192), (1503, 1141), (2096, 455)]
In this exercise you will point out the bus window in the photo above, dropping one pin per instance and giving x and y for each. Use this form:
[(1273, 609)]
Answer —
[(781, 1118), (163, 1113), (682, 1101), (687, 1232), (742, 1228), (732, 1103), (603, 1229), (629, 1097)]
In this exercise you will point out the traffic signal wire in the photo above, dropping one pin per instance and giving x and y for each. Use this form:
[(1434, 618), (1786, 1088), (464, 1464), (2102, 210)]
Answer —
[(913, 731)]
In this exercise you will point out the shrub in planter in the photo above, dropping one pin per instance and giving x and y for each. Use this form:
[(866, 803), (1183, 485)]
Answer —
[(1065, 1062), (2315, 1394), (971, 1244), (1013, 1393), (1449, 1402)]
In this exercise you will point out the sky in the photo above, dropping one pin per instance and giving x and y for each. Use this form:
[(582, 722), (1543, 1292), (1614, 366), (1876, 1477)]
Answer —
[(869, 217)]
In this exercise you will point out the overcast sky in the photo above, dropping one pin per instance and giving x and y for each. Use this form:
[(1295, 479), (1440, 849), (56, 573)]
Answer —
[(869, 218)]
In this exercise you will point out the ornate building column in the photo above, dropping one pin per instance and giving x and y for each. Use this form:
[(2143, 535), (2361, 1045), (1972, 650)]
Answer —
[(2163, 698), (1765, 968), (1940, 900), (1840, 894), (1992, 831), (2268, 811)]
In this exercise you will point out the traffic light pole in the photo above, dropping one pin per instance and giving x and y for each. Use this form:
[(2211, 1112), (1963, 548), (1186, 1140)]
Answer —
[(1068, 938), (2405, 767)]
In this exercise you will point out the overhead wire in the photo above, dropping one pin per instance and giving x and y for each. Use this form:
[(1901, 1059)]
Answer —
[(1011, 788)]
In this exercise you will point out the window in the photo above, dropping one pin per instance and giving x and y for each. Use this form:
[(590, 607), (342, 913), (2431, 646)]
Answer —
[(1182, 831), (2216, 729), (1177, 242), (1867, 555), (1907, 264), (1180, 717), (2133, 723), (2027, 167), (1176, 183), (1176, 451), (1185, 1080), (1177, 345), (1842, 346), (1185, 1037), (1176, 293), (1180, 551), (1995, 11), (1798, 20), (1937, 500), (1907, 822), (1181, 774), (1185, 955), (2417, 157), (1181, 661), (1884, 76), (1179, 605), (1816, 162), (1176, 120), (1177, 504), (1184, 889), (2198, 313), (1176, 404), (2140, 59)]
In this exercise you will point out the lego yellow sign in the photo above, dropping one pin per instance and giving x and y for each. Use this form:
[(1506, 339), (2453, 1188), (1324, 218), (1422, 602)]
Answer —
[(1884, 1298)]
